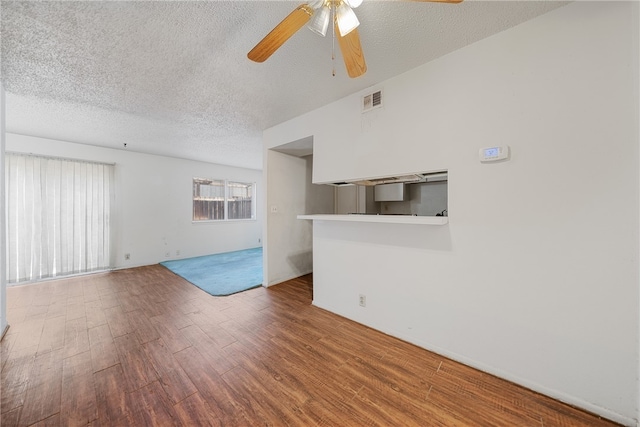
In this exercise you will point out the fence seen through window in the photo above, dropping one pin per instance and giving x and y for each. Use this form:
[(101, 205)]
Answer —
[(240, 200), (217, 199)]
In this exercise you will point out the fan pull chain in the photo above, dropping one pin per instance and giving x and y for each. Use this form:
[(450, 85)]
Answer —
[(333, 39)]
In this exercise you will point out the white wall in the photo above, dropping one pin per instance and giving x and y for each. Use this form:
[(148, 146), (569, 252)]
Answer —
[(291, 192), (536, 276), (3, 279), (153, 209)]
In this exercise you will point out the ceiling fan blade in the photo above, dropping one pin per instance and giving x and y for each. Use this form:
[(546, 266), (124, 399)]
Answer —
[(352, 53), (281, 33)]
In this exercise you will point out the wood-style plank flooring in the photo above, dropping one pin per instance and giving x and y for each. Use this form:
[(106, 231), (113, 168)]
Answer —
[(142, 347)]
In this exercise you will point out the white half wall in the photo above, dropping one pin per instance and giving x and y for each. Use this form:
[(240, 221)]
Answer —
[(536, 276), (152, 213)]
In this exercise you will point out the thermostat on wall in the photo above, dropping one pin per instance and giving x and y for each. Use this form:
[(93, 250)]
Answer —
[(493, 154)]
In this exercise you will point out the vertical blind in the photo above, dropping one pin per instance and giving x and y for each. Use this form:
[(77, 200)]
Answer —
[(58, 214)]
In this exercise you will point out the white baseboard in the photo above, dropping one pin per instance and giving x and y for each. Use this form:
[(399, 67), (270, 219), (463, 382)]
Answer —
[(282, 280), (4, 331), (531, 385)]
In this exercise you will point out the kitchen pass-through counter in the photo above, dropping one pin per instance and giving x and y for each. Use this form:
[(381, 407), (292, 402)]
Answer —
[(386, 219)]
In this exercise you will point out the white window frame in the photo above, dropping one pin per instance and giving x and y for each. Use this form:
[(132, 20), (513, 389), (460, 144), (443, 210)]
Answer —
[(225, 202)]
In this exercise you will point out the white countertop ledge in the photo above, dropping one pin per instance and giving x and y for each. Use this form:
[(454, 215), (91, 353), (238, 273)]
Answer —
[(387, 219)]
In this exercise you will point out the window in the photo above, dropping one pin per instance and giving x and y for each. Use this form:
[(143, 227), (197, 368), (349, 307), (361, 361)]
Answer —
[(208, 199), (217, 200), (240, 200), (58, 217)]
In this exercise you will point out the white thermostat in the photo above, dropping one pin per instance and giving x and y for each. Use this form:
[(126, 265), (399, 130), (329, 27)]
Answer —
[(493, 154)]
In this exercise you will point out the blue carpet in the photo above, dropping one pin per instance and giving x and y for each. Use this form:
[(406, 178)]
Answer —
[(221, 274)]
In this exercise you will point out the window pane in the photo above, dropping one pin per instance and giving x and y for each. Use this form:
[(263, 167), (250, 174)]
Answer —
[(240, 200), (208, 199)]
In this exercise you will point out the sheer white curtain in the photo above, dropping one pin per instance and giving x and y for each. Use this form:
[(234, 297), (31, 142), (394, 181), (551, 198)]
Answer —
[(58, 214)]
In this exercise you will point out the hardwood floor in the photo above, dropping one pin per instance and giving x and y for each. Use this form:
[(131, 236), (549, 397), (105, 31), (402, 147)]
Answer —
[(143, 347)]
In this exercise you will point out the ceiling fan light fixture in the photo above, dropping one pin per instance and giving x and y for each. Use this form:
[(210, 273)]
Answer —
[(346, 18), (353, 3), (317, 4), (320, 21)]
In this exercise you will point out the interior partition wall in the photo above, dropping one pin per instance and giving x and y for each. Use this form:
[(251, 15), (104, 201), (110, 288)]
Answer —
[(3, 285)]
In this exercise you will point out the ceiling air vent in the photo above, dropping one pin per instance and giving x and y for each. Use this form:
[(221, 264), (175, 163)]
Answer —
[(371, 101)]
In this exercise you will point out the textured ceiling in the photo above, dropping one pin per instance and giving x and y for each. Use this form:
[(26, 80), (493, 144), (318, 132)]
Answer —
[(172, 77)]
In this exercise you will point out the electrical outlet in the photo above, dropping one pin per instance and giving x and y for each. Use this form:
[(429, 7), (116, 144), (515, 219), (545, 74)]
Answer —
[(274, 209), (259, 240), (127, 257), (177, 252), (167, 254), (363, 300)]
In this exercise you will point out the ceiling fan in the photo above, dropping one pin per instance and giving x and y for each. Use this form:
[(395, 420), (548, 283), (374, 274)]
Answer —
[(321, 13)]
